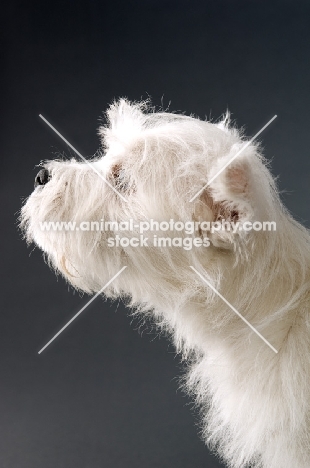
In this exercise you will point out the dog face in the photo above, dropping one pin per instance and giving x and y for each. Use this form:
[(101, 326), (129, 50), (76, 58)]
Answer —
[(150, 168)]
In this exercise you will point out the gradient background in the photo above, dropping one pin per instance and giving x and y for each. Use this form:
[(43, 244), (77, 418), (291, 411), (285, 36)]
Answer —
[(102, 395)]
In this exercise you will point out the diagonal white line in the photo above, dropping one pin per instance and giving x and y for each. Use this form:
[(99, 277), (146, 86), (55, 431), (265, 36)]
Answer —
[(232, 159), (234, 310), (83, 308), (82, 157)]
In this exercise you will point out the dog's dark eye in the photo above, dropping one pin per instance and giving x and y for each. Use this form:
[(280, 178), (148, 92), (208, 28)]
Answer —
[(115, 170), (118, 175)]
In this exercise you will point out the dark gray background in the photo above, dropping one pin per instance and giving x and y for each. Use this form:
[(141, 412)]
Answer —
[(102, 395)]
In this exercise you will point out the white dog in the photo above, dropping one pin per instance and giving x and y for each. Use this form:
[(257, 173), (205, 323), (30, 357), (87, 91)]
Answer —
[(255, 402)]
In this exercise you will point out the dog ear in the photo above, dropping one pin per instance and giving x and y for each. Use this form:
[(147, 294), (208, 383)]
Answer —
[(226, 200), (230, 176)]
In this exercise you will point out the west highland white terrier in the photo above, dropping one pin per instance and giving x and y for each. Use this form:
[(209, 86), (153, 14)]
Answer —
[(182, 203)]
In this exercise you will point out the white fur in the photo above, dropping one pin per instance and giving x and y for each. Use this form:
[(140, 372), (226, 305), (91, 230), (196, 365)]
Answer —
[(255, 403)]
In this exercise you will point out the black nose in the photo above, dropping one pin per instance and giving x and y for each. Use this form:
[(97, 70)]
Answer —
[(42, 178)]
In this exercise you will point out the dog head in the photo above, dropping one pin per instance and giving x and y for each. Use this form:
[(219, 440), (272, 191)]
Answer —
[(154, 167)]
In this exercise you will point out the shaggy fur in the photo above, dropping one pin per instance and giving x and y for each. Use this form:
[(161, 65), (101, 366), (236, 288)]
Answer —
[(255, 403)]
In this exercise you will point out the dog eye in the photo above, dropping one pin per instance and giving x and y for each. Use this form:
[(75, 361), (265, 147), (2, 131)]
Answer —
[(118, 175)]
